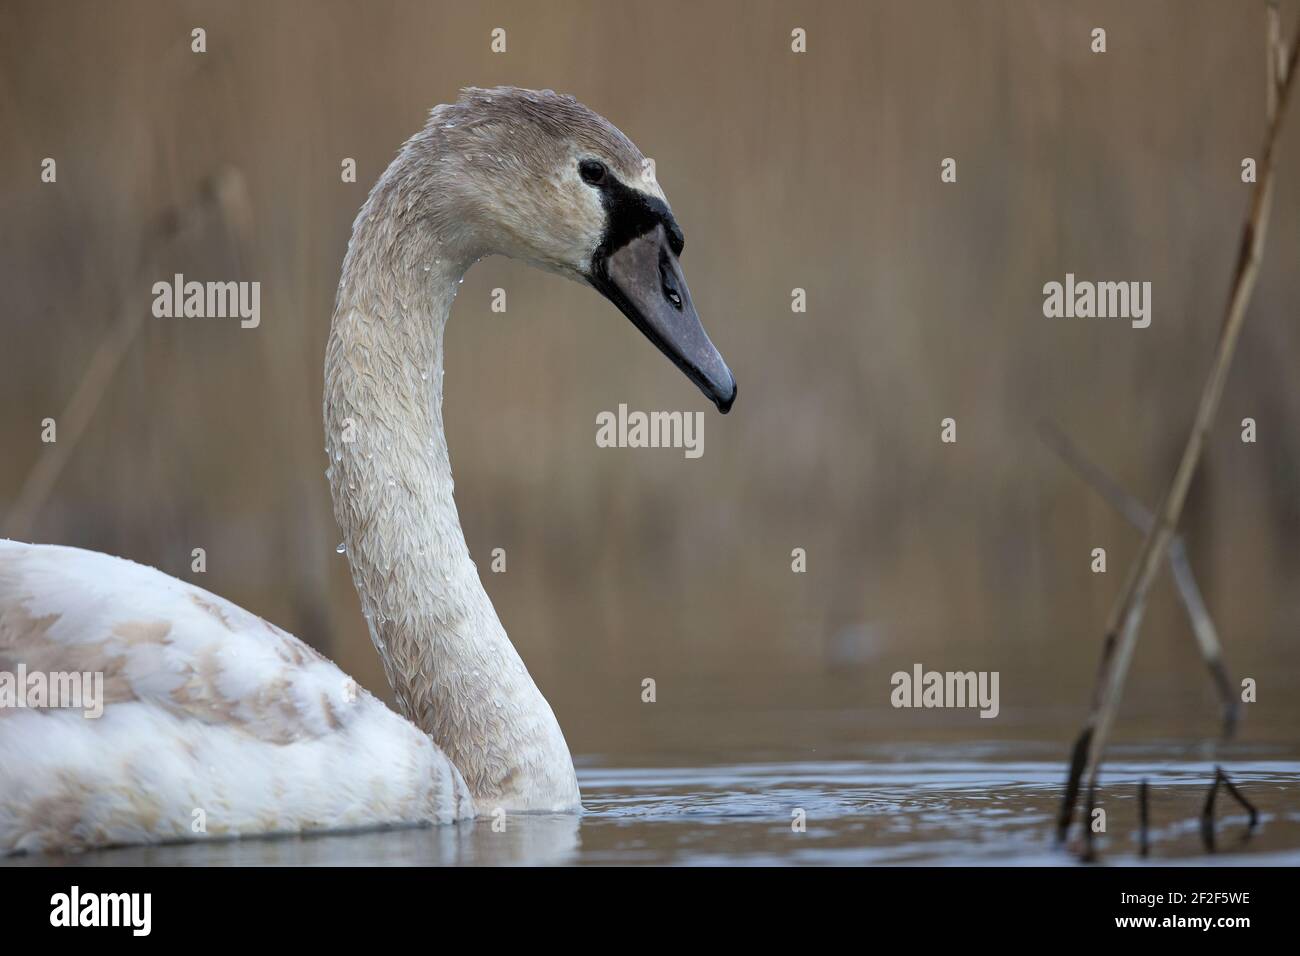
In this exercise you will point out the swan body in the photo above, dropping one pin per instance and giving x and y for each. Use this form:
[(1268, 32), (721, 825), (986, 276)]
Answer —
[(214, 723), (210, 713)]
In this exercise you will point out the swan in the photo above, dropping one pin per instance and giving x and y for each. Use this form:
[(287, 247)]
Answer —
[(217, 723)]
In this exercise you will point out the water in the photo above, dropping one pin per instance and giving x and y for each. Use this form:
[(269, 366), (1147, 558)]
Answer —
[(967, 803)]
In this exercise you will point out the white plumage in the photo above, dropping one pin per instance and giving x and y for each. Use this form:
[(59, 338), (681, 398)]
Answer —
[(211, 715)]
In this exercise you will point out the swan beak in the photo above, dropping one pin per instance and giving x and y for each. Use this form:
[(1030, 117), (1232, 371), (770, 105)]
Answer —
[(644, 279)]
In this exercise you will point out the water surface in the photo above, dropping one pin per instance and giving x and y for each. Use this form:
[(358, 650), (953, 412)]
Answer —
[(968, 803)]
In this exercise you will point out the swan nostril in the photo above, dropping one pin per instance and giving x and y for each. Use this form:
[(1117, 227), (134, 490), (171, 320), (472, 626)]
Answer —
[(668, 279)]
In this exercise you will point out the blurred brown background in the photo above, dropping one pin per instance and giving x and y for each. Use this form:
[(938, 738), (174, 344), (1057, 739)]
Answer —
[(818, 171)]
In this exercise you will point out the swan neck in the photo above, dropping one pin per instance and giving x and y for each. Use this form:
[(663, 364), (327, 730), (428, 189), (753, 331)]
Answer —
[(453, 670)]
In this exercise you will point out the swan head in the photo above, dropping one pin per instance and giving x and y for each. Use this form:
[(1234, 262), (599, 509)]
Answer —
[(539, 177)]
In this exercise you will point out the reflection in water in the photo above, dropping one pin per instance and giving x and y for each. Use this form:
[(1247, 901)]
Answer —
[(543, 839), (971, 803)]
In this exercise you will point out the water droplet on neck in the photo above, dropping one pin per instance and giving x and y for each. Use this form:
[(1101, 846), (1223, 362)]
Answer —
[(341, 549)]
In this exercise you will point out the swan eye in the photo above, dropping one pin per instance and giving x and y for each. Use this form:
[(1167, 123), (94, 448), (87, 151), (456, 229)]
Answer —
[(592, 171)]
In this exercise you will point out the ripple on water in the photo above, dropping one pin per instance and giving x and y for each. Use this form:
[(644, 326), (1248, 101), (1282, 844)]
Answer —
[(967, 804)]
